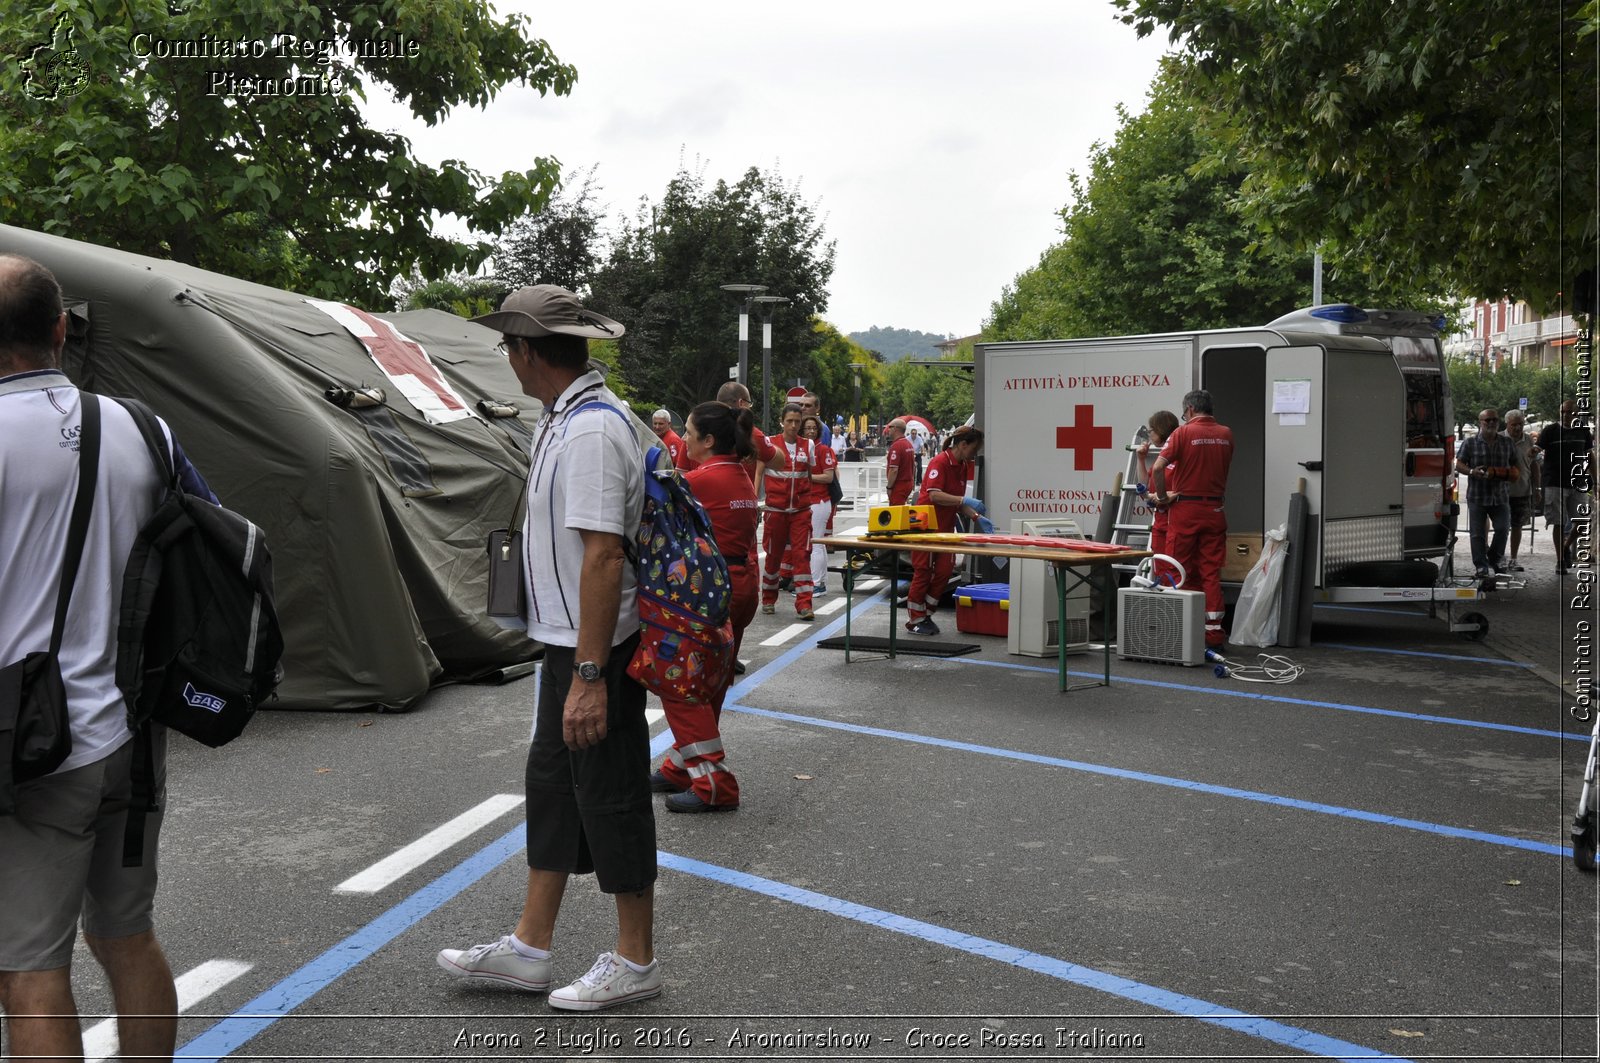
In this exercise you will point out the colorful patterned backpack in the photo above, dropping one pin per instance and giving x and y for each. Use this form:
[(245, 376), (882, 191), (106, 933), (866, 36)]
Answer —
[(686, 639)]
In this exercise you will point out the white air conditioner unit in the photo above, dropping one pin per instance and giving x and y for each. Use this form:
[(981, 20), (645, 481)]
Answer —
[(1161, 625), (1032, 623)]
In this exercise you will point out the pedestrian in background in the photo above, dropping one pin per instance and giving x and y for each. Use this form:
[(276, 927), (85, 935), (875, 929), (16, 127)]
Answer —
[(1523, 491), (1490, 465), (824, 467), (902, 463), (786, 524), (1568, 476), (661, 422)]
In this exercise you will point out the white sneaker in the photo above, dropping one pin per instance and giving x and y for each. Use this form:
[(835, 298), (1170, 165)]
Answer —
[(609, 982), (498, 962)]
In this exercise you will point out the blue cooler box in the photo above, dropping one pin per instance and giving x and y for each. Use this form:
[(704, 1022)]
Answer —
[(983, 609)]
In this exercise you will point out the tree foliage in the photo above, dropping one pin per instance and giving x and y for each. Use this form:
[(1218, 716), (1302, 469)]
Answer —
[(664, 275), (833, 378), (897, 343), (1152, 243), (459, 293), (211, 161), (560, 243), (1419, 137), (1475, 387)]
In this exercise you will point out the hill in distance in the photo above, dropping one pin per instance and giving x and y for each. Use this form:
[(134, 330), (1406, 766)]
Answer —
[(897, 343)]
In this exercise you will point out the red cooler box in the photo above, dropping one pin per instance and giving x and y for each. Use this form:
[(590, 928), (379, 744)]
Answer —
[(982, 608)]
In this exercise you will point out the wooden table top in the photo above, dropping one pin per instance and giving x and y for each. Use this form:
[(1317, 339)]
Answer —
[(954, 543)]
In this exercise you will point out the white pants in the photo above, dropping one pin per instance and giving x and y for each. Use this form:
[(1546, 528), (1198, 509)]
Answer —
[(820, 513)]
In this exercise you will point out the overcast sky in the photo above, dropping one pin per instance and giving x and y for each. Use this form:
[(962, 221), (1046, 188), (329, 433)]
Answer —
[(934, 137)]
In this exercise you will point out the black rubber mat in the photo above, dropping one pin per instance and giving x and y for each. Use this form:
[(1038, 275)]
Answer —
[(911, 646)]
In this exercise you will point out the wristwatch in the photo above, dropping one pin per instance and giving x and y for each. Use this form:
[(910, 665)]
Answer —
[(588, 671)]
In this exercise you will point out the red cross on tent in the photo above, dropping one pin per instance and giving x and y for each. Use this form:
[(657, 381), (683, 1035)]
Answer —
[(1083, 438)]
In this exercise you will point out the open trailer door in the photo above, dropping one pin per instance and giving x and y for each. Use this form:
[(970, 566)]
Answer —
[(1293, 443)]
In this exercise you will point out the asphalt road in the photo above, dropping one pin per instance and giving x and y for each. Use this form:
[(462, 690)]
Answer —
[(940, 858)]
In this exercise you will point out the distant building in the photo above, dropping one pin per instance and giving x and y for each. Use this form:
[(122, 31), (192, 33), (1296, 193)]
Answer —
[(1504, 332)]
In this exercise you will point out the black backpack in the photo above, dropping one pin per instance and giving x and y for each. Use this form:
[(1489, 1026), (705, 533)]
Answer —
[(198, 641)]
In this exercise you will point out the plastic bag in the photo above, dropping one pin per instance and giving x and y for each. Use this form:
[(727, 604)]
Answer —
[(1255, 617)]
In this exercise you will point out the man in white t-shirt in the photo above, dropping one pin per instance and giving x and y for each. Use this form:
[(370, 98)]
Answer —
[(588, 769), (61, 849)]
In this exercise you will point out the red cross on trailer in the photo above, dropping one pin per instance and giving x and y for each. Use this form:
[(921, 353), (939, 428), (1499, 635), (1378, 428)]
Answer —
[(1083, 438)]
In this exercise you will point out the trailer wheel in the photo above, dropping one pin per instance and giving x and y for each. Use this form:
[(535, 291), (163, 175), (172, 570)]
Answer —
[(1481, 629), (1583, 842), (1390, 574)]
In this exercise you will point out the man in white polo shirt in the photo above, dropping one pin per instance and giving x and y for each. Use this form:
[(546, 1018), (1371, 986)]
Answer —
[(61, 850), (588, 770)]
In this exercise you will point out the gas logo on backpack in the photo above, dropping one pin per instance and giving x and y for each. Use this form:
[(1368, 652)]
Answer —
[(198, 700)]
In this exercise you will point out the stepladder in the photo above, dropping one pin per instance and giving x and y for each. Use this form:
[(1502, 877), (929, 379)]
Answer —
[(1131, 526)]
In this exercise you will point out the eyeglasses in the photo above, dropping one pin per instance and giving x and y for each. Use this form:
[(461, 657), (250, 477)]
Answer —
[(504, 347)]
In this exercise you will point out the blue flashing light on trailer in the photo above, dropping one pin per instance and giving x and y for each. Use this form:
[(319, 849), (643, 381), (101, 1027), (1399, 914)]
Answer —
[(1344, 313)]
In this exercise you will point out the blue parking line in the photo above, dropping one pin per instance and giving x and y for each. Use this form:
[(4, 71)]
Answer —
[(265, 1010), (1254, 695), (1504, 840), (1319, 1045), (1460, 657), (226, 1036)]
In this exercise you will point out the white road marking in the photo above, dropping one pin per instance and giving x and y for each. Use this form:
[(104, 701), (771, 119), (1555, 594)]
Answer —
[(425, 848), (787, 633), (100, 1040), (831, 607), (654, 716)]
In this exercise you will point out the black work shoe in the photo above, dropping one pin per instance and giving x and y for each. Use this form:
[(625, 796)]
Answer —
[(925, 626), (689, 801), (660, 784), (738, 667)]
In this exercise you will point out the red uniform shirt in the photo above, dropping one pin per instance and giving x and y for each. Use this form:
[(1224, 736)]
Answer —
[(946, 474), (764, 452), (674, 444), (824, 460), (789, 488), (902, 470), (723, 488), (1197, 455)]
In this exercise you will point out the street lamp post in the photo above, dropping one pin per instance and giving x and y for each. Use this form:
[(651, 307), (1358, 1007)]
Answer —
[(766, 304), (749, 292)]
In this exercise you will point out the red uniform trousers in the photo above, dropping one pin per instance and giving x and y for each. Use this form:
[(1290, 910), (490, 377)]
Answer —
[(1197, 538), (930, 575), (697, 760), (782, 533), (1158, 545)]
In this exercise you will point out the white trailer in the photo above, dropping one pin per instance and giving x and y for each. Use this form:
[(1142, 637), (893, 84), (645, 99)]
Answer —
[(1354, 402)]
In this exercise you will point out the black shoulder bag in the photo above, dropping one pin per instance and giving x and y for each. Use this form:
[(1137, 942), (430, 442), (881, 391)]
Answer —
[(35, 732)]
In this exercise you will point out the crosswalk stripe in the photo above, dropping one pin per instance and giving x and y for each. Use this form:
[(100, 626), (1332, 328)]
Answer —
[(786, 634), (425, 848), (100, 1040)]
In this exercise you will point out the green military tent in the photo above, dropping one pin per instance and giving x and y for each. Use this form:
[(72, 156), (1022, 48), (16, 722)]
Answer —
[(376, 451)]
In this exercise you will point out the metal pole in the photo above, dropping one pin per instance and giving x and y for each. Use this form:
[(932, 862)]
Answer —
[(766, 372), (744, 343), (1316, 278)]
